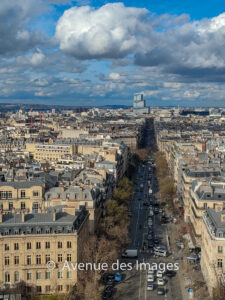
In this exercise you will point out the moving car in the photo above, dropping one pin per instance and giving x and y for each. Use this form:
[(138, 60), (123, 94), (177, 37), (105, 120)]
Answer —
[(156, 241), (130, 253), (150, 244)]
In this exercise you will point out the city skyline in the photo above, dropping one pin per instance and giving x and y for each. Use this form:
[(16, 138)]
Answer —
[(93, 53)]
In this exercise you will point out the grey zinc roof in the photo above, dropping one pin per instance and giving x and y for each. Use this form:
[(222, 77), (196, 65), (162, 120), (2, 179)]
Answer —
[(23, 184), (34, 219), (215, 219), (41, 223)]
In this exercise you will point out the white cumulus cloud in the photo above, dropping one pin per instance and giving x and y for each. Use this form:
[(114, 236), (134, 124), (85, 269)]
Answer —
[(112, 31)]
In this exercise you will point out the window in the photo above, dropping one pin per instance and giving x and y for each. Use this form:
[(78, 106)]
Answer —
[(220, 234), (5, 195), (68, 257), (29, 275), (69, 274), (59, 288), (35, 193), (28, 246), (10, 205), (35, 207), (47, 245), (22, 205), (16, 246), (219, 263), (68, 244), (38, 275), (47, 274), (16, 276), (47, 258), (59, 245), (47, 288), (6, 260), (59, 257), (38, 245), (38, 289), (67, 288), (23, 194), (7, 277), (38, 259), (205, 205), (60, 275), (6, 247), (16, 260), (28, 259), (220, 249)]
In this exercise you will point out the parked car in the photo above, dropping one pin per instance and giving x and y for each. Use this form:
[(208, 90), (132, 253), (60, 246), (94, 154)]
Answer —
[(106, 277), (160, 291), (150, 272), (150, 286), (118, 277), (108, 292), (150, 278), (170, 273), (160, 252), (161, 281), (159, 274)]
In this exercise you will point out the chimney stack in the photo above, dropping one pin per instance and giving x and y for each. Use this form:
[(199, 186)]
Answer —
[(23, 217), (204, 146), (54, 215), (223, 218), (219, 207)]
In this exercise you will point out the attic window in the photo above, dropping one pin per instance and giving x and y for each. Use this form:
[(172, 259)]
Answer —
[(220, 234), (219, 196), (208, 195), (16, 231)]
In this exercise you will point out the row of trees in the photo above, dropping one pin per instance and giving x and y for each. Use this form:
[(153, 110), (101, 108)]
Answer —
[(111, 236), (166, 186)]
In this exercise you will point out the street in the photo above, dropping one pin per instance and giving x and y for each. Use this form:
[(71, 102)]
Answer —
[(134, 286)]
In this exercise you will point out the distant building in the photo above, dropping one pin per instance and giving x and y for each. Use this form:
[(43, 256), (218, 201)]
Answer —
[(140, 105)]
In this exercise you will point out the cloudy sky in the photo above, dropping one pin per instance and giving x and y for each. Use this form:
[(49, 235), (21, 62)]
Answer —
[(102, 52)]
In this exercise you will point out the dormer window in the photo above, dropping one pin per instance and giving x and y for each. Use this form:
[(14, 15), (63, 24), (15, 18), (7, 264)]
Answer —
[(220, 234)]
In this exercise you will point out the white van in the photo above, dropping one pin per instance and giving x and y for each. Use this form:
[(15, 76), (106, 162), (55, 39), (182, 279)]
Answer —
[(160, 252)]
